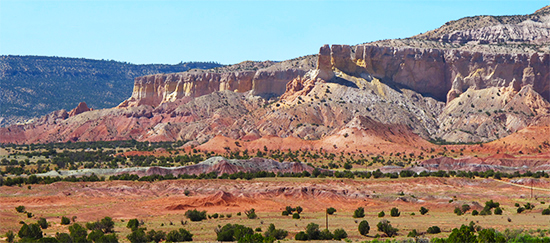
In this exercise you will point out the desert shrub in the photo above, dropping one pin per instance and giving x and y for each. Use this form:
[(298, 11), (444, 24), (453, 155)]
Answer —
[(395, 212), (490, 235), (364, 228), (284, 213), (106, 225), (464, 234), (10, 236), (78, 233), (326, 235), (458, 211), (498, 211), (228, 215), (195, 215), (107, 238), (20, 209), (331, 211), (386, 227), (381, 214), (137, 236), (301, 236), (475, 212), (296, 216), (239, 214), (259, 229), (485, 211), (95, 235), (546, 211), (63, 237), (465, 208), (312, 231), (43, 223), (65, 220), (251, 214), (299, 209), (29, 215), (278, 234), (424, 210), (31, 231), (517, 205), (155, 236), (233, 232), (179, 235), (340, 234), (433, 230), (529, 206), (412, 233), (133, 224), (216, 215), (359, 213), (520, 209)]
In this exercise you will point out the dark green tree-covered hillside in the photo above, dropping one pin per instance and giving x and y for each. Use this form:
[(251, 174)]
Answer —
[(33, 86)]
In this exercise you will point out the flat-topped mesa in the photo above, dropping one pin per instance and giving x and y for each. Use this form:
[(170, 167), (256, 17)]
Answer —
[(161, 88), (441, 73)]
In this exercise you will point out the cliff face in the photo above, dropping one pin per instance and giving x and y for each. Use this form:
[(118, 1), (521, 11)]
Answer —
[(162, 88), (444, 73)]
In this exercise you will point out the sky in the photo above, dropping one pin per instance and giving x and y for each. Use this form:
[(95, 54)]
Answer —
[(227, 32)]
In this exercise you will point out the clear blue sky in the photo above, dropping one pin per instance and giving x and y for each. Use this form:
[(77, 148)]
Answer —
[(222, 31)]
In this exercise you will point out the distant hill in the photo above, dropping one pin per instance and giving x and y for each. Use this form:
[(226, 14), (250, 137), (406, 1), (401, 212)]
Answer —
[(33, 86)]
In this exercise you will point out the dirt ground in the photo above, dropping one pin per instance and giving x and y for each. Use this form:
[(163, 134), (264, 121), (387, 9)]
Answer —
[(165, 202)]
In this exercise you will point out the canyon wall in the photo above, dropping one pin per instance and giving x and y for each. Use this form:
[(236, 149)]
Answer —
[(443, 73), (161, 88)]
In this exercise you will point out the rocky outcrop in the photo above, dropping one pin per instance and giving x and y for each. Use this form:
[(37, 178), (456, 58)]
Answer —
[(157, 89), (444, 73), (82, 107)]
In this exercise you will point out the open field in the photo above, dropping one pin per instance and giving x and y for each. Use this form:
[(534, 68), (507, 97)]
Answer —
[(162, 202)]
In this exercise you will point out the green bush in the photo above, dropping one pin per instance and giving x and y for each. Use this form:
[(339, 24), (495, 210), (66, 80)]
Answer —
[(386, 227), (233, 232), (251, 214), (433, 230), (155, 236), (331, 211), (106, 225), (359, 213), (95, 235), (412, 233), (65, 220), (520, 209), (498, 211), (381, 214), (475, 212), (423, 210), (464, 234), (31, 231), (137, 236), (179, 236), (395, 212), (312, 231), (78, 233), (296, 216), (20, 209), (546, 211), (299, 209), (10, 236), (133, 224), (301, 236), (458, 211), (195, 215), (278, 234), (364, 228), (216, 215), (285, 213), (465, 208), (340, 234), (326, 235), (43, 223)]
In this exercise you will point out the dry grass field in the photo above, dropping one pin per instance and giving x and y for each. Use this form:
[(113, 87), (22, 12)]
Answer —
[(161, 205)]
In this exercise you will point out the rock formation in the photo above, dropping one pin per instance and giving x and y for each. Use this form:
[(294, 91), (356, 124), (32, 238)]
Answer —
[(82, 107)]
